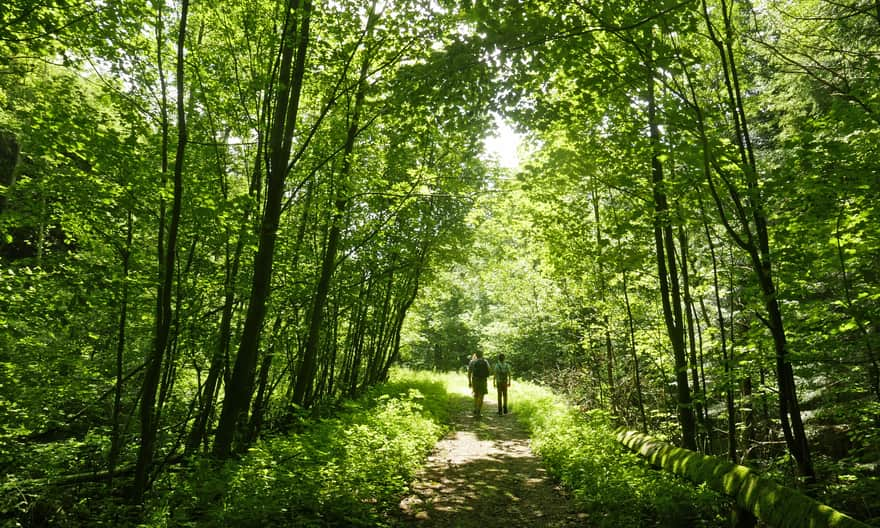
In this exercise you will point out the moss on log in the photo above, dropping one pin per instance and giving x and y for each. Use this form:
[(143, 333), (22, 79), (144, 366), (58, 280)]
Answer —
[(776, 505)]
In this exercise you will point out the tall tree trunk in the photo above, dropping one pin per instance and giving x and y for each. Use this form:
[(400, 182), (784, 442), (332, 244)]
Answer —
[(748, 414), (606, 323), (699, 396), (382, 318), (729, 381), (149, 425), (358, 335), (295, 39), (334, 352), (308, 367), (404, 309), (261, 400), (665, 249), (635, 355), (116, 435), (220, 358), (751, 216)]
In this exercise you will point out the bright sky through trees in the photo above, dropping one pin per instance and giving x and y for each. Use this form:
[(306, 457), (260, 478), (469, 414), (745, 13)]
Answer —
[(503, 145)]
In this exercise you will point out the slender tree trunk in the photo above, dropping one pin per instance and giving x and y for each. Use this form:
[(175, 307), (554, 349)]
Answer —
[(635, 355), (382, 317), (220, 358), (753, 220), (699, 395), (669, 286), (727, 361), (148, 412), (606, 323), (357, 340), (261, 400), (295, 40), (308, 367), (404, 309), (116, 435), (334, 352), (748, 414)]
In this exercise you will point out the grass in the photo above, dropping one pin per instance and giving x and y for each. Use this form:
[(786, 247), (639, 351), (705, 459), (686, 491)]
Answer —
[(613, 486), (352, 468)]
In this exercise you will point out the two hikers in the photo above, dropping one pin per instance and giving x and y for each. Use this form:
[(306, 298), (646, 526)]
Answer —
[(478, 375)]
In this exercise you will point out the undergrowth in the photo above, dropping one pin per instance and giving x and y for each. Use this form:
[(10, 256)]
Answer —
[(612, 485), (341, 471)]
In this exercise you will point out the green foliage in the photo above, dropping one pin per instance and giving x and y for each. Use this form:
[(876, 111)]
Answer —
[(553, 267), (608, 482), (346, 470)]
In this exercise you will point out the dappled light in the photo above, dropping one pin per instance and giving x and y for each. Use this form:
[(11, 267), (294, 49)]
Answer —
[(484, 474), (249, 248)]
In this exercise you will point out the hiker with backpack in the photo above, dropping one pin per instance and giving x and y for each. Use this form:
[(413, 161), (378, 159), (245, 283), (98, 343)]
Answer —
[(501, 380), (478, 375)]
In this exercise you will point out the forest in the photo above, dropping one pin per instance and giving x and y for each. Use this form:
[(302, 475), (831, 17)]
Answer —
[(223, 223)]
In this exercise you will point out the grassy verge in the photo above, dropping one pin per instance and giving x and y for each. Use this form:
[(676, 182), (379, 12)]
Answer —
[(341, 471), (609, 483)]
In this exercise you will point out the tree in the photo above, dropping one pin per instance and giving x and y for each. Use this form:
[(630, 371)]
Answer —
[(291, 74)]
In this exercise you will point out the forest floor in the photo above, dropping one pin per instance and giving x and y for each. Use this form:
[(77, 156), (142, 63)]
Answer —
[(483, 474)]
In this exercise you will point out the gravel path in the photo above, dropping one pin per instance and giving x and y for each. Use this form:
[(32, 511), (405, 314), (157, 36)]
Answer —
[(484, 474)]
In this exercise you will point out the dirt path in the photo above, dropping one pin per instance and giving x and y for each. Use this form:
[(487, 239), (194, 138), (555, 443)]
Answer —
[(484, 474)]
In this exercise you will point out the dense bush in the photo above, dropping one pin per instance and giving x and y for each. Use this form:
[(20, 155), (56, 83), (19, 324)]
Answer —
[(612, 485), (339, 471)]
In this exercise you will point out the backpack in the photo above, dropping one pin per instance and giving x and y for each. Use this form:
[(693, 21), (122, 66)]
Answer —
[(502, 373), (481, 368)]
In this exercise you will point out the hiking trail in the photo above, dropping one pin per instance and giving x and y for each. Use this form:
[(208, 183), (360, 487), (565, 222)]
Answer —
[(484, 474)]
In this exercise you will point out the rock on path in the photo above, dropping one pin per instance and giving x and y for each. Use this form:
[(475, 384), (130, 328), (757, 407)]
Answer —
[(484, 475)]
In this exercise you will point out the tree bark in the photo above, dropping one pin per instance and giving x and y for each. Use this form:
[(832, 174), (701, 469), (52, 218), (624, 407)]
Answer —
[(756, 243), (116, 435), (665, 251), (148, 418), (635, 355), (308, 367), (261, 399), (698, 395), (295, 39)]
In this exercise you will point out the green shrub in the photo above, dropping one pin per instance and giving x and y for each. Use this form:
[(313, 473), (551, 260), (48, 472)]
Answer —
[(608, 482), (341, 471)]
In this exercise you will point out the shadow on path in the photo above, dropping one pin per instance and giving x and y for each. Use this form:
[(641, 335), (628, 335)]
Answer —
[(483, 474)]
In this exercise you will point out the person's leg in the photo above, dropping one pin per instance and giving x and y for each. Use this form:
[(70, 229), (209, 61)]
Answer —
[(503, 395), (500, 391), (479, 404)]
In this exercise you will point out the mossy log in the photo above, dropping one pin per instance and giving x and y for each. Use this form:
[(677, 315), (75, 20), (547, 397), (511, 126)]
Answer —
[(772, 503)]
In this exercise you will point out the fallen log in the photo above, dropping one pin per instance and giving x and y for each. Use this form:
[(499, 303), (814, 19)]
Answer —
[(774, 504)]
